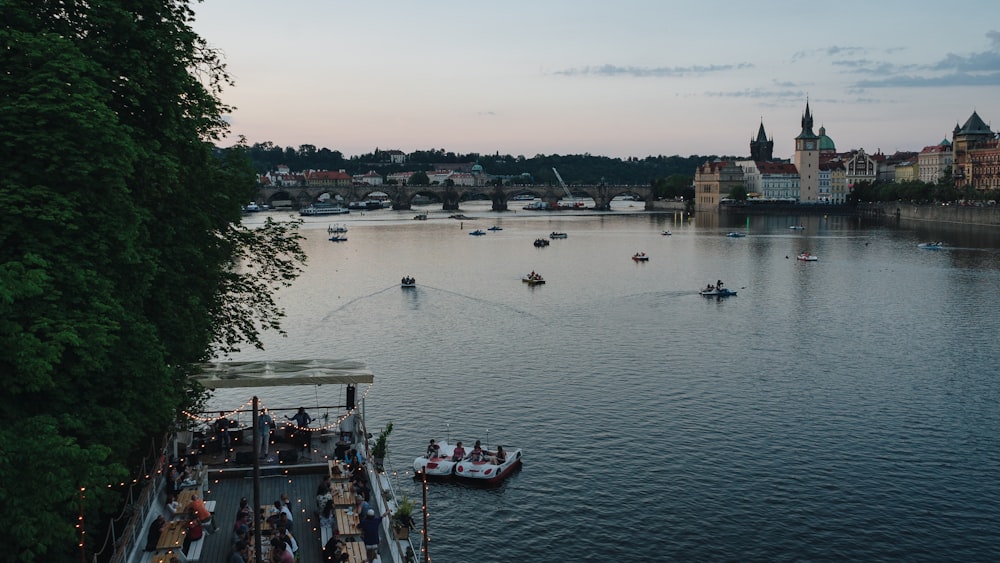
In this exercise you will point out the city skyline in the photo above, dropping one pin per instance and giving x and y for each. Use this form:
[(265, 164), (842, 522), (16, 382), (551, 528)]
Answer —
[(635, 79)]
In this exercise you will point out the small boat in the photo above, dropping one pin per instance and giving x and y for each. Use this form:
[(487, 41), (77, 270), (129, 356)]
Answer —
[(806, 257), (439, 466), (931, 245), (540, 242), (338, 238), (734, 234), (495, 228), (408, 281), (533, 279), (554, 235), (478, 233), (487, 471), (711, 291), (640, 257), (797, 227), (666, 233)]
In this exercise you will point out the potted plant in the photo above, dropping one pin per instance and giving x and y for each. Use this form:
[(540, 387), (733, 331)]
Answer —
[(381, 446), (402, 518)]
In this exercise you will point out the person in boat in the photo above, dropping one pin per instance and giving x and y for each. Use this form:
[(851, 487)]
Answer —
[(496, 458), (433, 449), (459, 453), (477, 453), (718, 284), (709, 287)]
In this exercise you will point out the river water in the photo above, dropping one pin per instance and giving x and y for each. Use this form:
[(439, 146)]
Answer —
[(843, 409)]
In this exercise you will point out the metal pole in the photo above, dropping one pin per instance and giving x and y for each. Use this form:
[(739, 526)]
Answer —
[(258, 548), (427, 539)]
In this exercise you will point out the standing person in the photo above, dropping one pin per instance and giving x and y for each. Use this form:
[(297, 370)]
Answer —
[(370, 532), (197, 507), (302, 434), (222, 429), (264, 424)]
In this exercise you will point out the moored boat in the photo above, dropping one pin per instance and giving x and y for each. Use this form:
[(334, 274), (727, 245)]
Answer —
[(322, 208)]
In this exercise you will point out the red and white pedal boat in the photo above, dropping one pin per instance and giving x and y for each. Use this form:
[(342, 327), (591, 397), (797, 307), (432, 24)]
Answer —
[(486, 472), (440, 466)]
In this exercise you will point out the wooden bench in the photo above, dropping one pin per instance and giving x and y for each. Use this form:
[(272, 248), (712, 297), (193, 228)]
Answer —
[(194, 550), (325, 533)]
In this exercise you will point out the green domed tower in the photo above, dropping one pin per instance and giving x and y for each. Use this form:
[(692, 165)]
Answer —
[(826, 144)]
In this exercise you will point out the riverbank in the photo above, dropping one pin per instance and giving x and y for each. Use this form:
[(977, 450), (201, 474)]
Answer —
[(986, 216)]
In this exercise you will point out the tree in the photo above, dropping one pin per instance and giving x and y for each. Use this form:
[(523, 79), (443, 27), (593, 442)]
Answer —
[(738, 193), (419, 178), (122, 261)]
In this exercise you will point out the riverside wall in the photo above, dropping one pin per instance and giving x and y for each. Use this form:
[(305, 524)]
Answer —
[(986, 216)]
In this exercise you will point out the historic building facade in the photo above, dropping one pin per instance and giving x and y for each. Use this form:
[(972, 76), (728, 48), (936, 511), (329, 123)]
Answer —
[(713, 181), (807, 160), (976, 153)]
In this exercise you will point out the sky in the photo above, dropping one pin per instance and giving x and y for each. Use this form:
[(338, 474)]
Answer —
[(630, 78)]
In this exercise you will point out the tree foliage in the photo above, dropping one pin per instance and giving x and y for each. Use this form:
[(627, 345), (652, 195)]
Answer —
[(122, 261)]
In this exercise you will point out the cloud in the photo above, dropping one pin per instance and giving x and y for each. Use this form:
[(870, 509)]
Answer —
[(831, 51), (757, 93), (655, 72), (948, 80)]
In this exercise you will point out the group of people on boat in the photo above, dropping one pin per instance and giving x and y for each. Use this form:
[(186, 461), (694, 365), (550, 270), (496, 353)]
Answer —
[(408, 280), (716, 287), (478, 454), (533, 276)]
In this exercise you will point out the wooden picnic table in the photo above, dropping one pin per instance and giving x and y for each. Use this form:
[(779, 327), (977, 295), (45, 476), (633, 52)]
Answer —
[(347, 523), (338, 470), (356, 550), (172, 536), (342, 497), (164, 557), (184, 498)]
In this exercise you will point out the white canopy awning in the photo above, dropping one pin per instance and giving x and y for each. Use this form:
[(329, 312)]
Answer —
[(224, 375)]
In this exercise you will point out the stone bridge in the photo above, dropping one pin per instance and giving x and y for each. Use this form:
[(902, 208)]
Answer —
[(451, 196)]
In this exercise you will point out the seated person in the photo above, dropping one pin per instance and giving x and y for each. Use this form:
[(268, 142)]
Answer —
[(477, 453), (172, 506), (155, 530), (195, 531), (497, 458), (432, 450), (459, 453)]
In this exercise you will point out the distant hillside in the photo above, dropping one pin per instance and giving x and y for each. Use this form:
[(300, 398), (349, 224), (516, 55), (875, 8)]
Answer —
[(575, 169)]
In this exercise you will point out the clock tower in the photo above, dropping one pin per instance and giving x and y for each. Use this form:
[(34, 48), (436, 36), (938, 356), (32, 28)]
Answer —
[(807, 159)]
